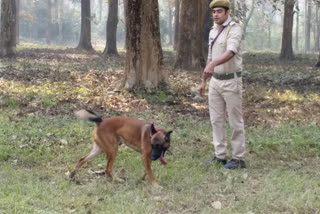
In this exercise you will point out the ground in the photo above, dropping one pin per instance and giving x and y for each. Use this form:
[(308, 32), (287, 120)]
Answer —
[(41, 140)]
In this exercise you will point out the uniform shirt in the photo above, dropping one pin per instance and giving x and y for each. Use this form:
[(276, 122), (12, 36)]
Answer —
[(229, 39)]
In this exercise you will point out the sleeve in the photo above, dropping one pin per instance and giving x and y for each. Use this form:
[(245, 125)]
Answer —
[(209, 46), (234, 38)]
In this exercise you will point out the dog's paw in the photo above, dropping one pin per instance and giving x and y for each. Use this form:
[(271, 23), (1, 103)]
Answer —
[(157, 186), (118, 180)]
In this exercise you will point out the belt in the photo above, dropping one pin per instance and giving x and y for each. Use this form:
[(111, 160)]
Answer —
[(226, 76)]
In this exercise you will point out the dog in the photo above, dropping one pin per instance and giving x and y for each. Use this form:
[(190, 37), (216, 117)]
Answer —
[(152, 142)]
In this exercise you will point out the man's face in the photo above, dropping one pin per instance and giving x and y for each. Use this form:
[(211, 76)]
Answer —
[(220, 15)]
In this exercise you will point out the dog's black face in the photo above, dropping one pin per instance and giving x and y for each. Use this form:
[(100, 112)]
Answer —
[(160, 141)]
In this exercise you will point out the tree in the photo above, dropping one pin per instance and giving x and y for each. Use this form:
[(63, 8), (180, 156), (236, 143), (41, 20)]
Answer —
[(189, 50), (176, 23), (144, 52), (318, 63), (286, 46), (247, 19), (297, 26), (307, 25), (8, 28), (207, 24), (112, 22), (85, 32), (17, 21)]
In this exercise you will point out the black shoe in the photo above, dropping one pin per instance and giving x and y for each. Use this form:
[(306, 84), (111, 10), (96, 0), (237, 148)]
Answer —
[(216, 160), (235, 164)]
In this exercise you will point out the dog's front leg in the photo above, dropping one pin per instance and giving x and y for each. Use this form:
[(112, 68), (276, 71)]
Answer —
[(147, 168)]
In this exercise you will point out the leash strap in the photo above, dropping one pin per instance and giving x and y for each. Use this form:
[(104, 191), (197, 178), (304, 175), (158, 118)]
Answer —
[(213, 41)]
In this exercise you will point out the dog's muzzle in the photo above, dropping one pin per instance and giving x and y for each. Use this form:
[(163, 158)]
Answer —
[(157, 152)]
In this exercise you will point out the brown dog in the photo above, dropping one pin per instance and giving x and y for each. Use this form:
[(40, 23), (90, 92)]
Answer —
[(141, 136)]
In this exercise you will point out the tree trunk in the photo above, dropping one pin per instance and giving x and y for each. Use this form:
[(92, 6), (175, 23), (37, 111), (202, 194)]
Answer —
[(85, 32), (8, 28), (286, 47), (112, 22), (17, 21), (144, 53), (246, 21), (170, 16), (49, 18), (176, 23), (189, 50), (318, 63), (317, 31), (307, 25), (297, 27), (207, 24)]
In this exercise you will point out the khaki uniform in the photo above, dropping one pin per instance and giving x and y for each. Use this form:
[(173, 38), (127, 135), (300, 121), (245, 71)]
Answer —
[(225, 96)]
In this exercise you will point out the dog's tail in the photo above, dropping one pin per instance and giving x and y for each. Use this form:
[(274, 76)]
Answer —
[(88, 115)]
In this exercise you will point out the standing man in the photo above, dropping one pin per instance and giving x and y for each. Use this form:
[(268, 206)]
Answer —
[(225, 88)]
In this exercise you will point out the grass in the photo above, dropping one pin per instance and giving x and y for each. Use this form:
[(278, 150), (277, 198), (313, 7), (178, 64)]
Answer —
[(41, 141), (37, 153)]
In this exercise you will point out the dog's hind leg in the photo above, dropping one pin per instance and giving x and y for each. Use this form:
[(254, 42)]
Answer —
[(111, 156), (94, 152)]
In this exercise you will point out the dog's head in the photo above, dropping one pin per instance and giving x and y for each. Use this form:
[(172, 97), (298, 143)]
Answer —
[(160, 141)]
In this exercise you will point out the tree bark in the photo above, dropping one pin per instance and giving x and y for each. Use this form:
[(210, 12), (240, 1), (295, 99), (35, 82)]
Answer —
[(85, 32), (176, 23), (189, 50), (111, 32), (286, 47), (297, 28), (170, 17), (144, 52), (307, 26), (207, 24), (246, 21), (8, 28), (317, 32), (317, 65), (17, 21)]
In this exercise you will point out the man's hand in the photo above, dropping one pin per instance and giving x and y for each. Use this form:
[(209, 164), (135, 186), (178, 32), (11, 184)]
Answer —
[(202, 88), (209, 69)]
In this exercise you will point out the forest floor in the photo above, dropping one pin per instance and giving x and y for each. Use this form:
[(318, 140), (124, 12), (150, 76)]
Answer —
[(41, 140)]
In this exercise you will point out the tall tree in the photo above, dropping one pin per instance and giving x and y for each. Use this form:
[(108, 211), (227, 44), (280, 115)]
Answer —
[(112, 22), (85, 32), (318, 63), (176, 23), (207, 24), (307, 25), (189, 50), (286, 46), (144, 52), (297, 26), (8, 28), (170, 18), (317, 26), (247, 19), (17, 21)]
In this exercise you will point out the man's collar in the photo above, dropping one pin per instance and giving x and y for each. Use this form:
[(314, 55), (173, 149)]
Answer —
[(225, 23)]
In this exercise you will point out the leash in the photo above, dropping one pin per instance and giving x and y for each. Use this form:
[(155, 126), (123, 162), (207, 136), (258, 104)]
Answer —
[(213, 41)]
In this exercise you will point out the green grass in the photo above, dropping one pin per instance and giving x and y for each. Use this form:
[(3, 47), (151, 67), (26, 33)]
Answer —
[(37, 153)]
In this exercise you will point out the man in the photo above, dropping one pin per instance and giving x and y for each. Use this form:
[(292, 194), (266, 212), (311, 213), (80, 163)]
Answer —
[(225, 88)]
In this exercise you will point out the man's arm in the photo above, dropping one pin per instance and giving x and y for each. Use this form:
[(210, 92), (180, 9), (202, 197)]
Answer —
[(211, 64), (225, 57)]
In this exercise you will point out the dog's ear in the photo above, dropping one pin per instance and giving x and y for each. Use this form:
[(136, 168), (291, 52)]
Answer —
[(152, 129), (167, 137)]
